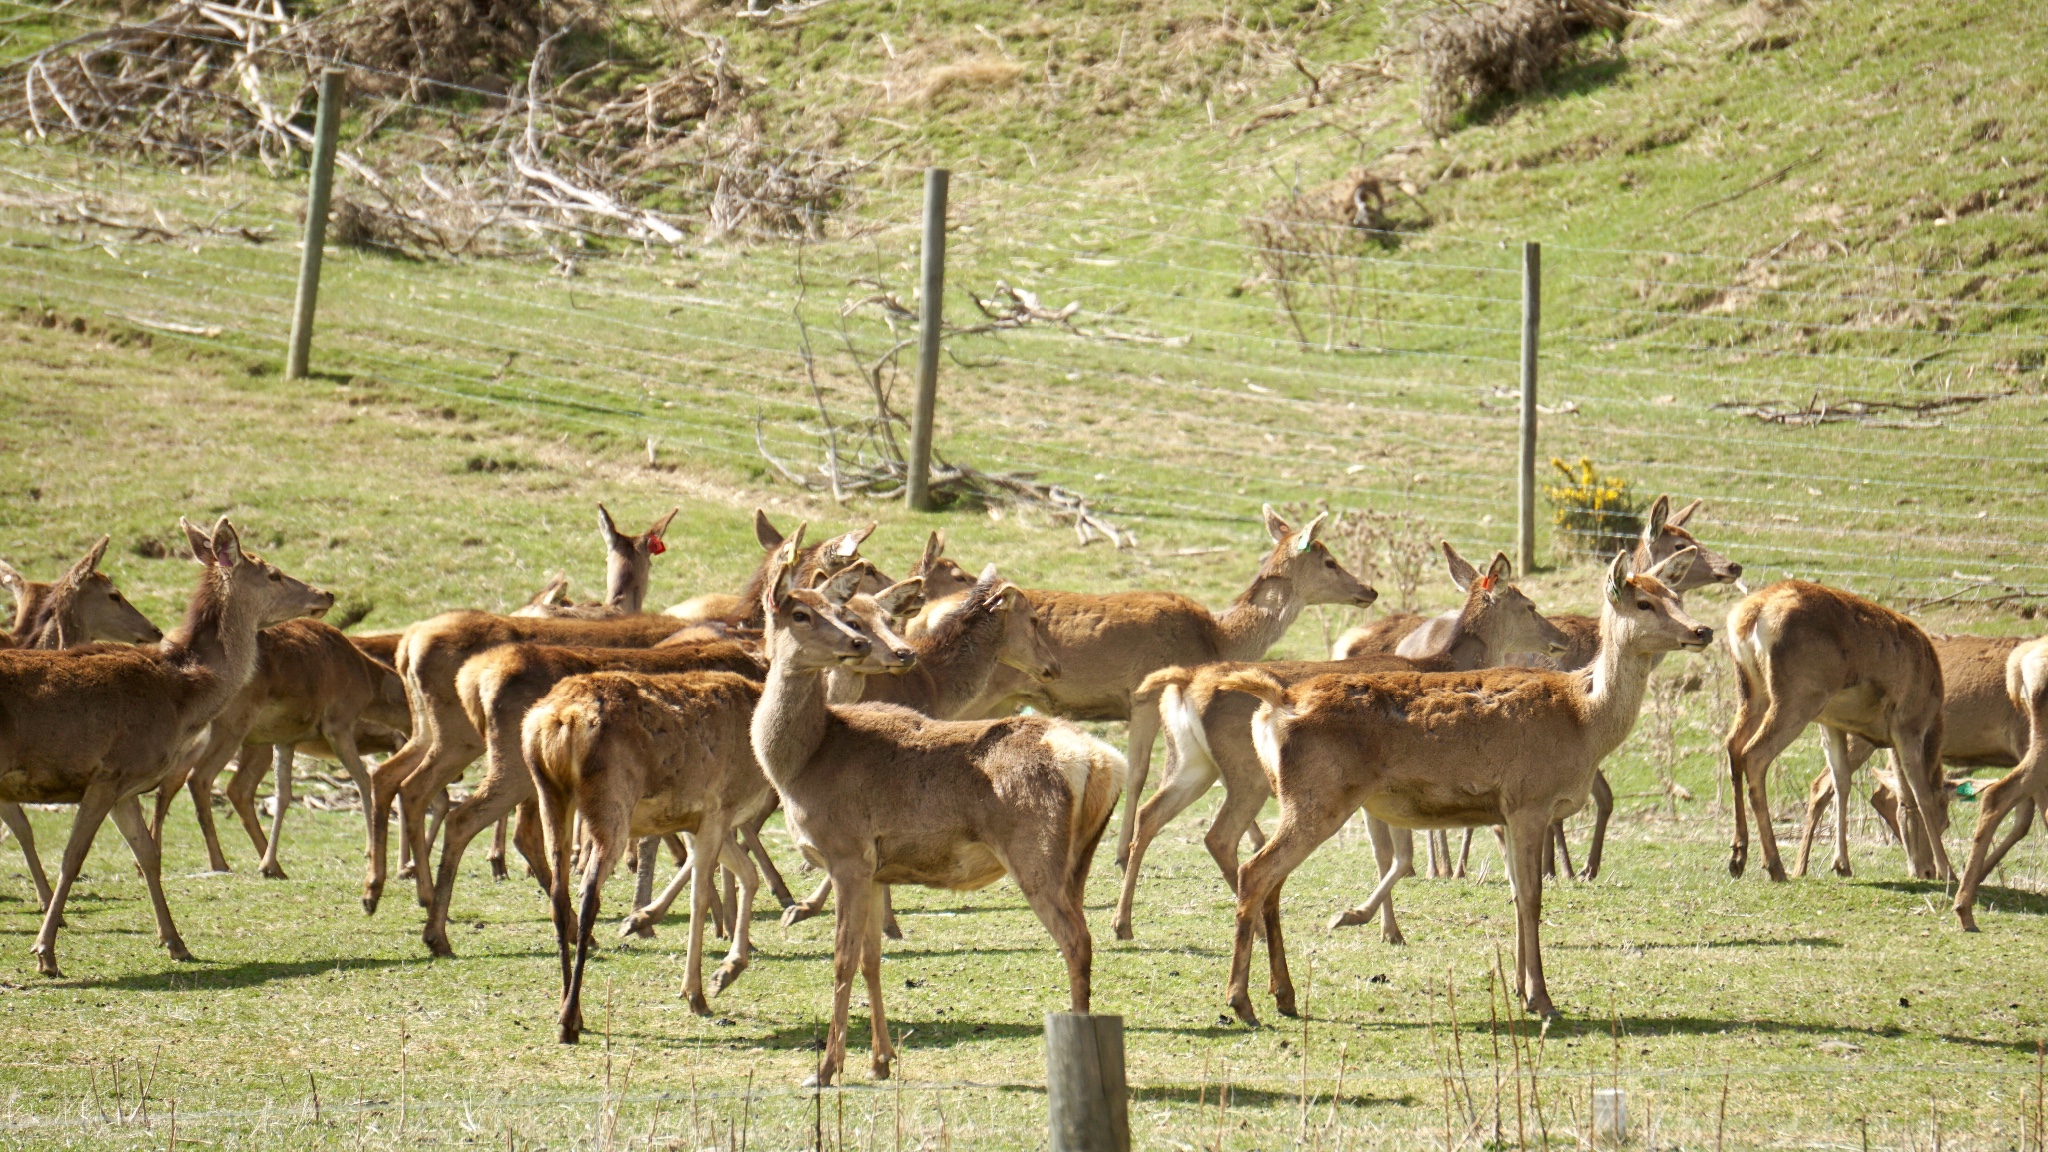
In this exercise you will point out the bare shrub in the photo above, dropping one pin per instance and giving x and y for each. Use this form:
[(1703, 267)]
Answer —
[(1476, 52), (1392, 551), (1307, 247)]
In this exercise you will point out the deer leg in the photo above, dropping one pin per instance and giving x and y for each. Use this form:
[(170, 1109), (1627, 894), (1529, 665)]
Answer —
[(2017, 787), (1465, 853), (1052, 898), (128, 818), (703, 875), (852, 936), (1526, 832), (1394, 849), (16, 819), (200, 784), (1564, 848), (1791, 708), (646, 858), (413, 863), (729, 904), (496, 858), (1818, 794), (1884, 800), (890, 928), (2022, 820), (881, 1046), (252, 763), (598, 860), (809, 906), (496, 795), (1144, 728), (1919, 756), (378, 799), (1387, 851), (1184, 784), (166, 794), (644, 917), (1603, 811), (750, 839), (742, 952), (93, 806), (282, 755), (1238, 813), (1834, 746), (1299, 833)]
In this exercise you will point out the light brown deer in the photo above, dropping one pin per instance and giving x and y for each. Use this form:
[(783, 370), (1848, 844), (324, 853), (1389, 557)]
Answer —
[(2026, 680), (99, 726), (1806, 652), (80, 607), (1209, 734), (1981, 727), (444, 742), (1509, 746), (635, 755), (1664, 533), (743, 611), (311, 686), (1109, 642), (497, 688), (878, 794), (628, 569)]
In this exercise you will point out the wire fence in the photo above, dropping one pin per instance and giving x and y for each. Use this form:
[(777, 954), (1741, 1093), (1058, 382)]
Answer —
[(1864, 423)]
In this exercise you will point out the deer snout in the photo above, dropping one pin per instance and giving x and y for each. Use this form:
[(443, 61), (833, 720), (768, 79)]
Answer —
[(322, 601), (1731, 573), (1049, 671), (1365, 598), (1701, 637)]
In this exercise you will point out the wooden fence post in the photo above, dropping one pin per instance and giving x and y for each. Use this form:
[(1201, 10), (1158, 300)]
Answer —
[(1086, 1097), (326, 127), (1532, 309), (929, 316)]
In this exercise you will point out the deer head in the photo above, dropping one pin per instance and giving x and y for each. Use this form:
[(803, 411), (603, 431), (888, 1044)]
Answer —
[(1647, 610), (629, 560), (943, 577), (805, 627), (1664, 536), (84, 605), (1299, 557), (1027, 644), (1498, 613), (249, 583)]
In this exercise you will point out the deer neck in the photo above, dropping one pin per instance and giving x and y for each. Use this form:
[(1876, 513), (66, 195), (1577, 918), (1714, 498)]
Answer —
[(1613, 686), (956, 663), (1257, 619), (625, 588), (792, 717), (215, 646)]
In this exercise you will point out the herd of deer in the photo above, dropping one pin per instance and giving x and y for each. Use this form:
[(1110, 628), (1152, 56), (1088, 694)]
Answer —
[(921, 732)]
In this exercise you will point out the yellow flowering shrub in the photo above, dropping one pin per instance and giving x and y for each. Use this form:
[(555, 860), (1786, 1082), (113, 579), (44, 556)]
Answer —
[(1595, 515)]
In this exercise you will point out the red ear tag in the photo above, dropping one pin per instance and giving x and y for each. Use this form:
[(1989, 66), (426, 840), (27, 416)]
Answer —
[(1486, 583), (655, 547)]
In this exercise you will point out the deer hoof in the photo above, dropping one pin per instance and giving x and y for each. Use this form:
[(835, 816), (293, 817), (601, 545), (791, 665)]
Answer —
[(1967, 918), (1242, 1005), (406, 871), (881, 1067), (638, 924), (437, 943), (891, 929), (1349, 919), (796, 914), (725, 975), (274, 871), (1542, 1007), (1393, 936), (498, 869), (822, 1078), (1737, 861), (46, 963), (1842, 868), (176, 947), (1123, 931), (698, 1004), (1777, 873)]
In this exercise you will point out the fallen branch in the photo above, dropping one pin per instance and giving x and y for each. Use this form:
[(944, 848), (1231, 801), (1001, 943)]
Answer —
[(1866, 412)]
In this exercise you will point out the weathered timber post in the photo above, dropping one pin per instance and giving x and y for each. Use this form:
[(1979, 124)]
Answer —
[(929, 317), (1088, 1101), (326, 127)]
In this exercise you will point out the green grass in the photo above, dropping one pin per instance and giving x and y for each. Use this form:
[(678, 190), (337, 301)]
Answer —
[(468, 414)]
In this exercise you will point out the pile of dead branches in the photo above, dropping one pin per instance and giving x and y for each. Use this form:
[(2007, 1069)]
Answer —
[(1908, 414), (419, 48), (1473, 53)]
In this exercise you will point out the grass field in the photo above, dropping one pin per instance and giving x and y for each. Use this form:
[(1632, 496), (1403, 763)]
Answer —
[(1825, 1007), (1740, 203)]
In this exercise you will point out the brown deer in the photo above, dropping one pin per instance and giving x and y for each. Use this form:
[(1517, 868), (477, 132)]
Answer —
[(637, 755), (99, 726), (743, 611), (628, 568), (1981, 727), (1664, 533), (80, 607), (1209, 734), (311, 686), (1805, 652), (1109, 642), (878, 794), (2026, 681), (1510, 746)]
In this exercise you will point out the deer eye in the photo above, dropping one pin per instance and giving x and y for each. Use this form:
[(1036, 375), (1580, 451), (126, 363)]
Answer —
[(800, 616), (1329, 562), (1643, 605), (277, 578)]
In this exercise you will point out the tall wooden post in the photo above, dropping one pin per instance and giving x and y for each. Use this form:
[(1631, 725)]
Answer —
[(1086, 1096), (929, 315), (325, 129), (1532, 310)]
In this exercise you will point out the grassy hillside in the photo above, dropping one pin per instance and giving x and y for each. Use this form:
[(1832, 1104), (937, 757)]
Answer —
[(1808, 204)]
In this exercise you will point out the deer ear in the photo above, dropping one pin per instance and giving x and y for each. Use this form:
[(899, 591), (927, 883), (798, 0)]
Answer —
[(1672, 572), (1277, 528), (202, 544), (227, 544), (89, 561), (659, 528), (1498, 572), (11, 580), (1617, 578), (775, 589), (934, 546), (764, 531), (1660, 513), (1679, 517), (848, 545), (612, 535), (1462, 572), (1306, 538), (843, 584), (903, 597)]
